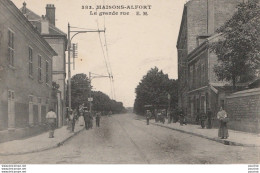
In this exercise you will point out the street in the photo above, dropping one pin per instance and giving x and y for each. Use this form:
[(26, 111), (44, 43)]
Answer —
[(122, 139)]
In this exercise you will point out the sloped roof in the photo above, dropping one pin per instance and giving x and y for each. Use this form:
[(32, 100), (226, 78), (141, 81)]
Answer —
[(36, 21), (15, 11)]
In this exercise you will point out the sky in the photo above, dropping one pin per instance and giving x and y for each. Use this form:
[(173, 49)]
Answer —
[(135, 44)]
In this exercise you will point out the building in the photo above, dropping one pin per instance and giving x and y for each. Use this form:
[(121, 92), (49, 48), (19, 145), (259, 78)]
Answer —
[(25, 70), (200, 20), (57, 39), (204, 90)]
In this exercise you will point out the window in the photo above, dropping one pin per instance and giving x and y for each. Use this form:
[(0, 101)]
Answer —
[(39, 100), (203, 75), (31, 99), (10, 48), (39, 68), (47, 72), (30, 61), (10, 95), (191, 77)]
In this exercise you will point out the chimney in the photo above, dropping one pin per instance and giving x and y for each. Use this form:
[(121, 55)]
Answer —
[(50, 13), (24, 8), (44, 25)]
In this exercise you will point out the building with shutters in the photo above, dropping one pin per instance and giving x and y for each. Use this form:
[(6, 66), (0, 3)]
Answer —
[(57, 39), (25, 70)]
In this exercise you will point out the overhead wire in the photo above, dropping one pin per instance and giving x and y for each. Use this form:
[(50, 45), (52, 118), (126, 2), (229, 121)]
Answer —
[(112, 77), (104, 55)]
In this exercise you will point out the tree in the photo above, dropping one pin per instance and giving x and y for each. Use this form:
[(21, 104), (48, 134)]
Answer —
[(239, 46), (101, 102), (80, 89), (153, 89)]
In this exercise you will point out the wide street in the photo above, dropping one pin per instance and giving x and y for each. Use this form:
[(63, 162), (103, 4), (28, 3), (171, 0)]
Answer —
[(124, 139)]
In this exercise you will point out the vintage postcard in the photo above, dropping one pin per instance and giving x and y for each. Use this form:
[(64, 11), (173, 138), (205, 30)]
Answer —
[(129, 82)]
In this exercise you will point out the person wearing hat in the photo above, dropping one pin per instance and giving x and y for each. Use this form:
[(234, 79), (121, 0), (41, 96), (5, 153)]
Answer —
[(86, 118)]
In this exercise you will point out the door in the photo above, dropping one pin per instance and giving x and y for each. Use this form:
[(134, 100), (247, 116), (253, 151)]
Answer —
[(11, 109)]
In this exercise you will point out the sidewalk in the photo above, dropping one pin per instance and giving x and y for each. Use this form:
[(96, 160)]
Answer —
[(38, 143), (235, 138)]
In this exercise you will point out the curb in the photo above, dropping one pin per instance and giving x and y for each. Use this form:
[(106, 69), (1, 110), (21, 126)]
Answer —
[(225, 142), (45, 148)]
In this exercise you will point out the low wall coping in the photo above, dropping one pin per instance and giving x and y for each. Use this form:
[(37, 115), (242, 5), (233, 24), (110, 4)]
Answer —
[(248, 92)]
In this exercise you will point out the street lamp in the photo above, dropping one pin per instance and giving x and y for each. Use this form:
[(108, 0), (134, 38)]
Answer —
[(90, 79), (69, 49)]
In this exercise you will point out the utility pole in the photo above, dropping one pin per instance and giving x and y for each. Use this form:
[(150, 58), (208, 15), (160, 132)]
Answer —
[(90, 79), (69, 72), (90, 101), (76, 32)]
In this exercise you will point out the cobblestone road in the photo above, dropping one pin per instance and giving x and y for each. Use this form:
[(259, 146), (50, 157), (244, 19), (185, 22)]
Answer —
[(123, 139)]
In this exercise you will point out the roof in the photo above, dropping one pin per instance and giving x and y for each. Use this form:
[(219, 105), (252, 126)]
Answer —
[(28, 25), (36, 21), (203, 45), (184, 17)]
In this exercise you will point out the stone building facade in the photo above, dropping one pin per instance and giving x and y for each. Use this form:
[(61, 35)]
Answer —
[(25, 70), (200, 20), (57, 39)]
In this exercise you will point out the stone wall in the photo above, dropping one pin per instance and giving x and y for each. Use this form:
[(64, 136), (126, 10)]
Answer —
[(243, 108)]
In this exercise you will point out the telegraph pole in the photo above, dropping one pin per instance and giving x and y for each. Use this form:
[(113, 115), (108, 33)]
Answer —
[(69, 72), (76, 32), (90, 101)]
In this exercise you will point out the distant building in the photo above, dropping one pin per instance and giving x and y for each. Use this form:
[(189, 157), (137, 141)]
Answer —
[(25, 70), (57, 39), (196, 78)]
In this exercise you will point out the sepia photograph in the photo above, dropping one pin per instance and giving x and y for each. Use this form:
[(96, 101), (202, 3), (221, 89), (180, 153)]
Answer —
[(172, 82)]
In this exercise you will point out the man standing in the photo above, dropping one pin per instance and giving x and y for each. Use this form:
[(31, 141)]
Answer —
[(202, 119), (51, 119), (86, 118), (209, 115), (148, 116), (73, 117), (98, 116)]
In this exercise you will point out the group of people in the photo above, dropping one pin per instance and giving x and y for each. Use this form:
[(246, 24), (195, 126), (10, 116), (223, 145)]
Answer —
[(88, 117), (201, 117), (72, 117)]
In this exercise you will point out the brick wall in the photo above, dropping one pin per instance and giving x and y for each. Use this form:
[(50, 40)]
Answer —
[(243, 108)]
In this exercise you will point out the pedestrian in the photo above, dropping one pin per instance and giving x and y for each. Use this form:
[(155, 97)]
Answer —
[(181, 115), (176, 115), (73, 117), (163, 115), (90, 120), (223, 119), (202, 119), (197, 116), (98, 116), (110, 113), (209, 116), (51, 119), (156, 115), (148, 116), (86, 118)]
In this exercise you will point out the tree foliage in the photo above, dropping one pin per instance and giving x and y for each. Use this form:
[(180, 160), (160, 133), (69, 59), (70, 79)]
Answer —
[(101, 102), (153, 89), (239, 46), (80, 92)]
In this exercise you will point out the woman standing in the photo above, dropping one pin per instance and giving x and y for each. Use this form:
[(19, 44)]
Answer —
[(223, 130)]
